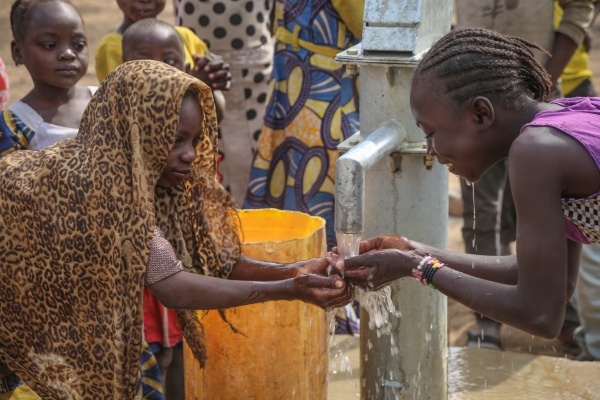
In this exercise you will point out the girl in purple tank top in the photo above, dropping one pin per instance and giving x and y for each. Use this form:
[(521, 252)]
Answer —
[(491, 103)]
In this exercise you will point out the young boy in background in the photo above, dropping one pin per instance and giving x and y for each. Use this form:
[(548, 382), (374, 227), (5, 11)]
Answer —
[(109, 52), (154, 39)]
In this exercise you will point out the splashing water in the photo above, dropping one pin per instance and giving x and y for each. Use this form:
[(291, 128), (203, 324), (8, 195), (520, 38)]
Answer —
[(379, 305)]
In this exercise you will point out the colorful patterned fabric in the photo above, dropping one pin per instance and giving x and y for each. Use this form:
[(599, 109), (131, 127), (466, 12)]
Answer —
[(77, 221), (13, 388), (14, 133), (150, 383), (313, 107), (23, 128)]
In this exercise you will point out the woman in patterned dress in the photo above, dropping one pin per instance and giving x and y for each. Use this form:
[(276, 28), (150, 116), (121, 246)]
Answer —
[(312, 108)]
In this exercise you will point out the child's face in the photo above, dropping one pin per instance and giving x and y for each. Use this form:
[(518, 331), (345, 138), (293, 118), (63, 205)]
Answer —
[(183, 153), (454, 137), (161, 44), (54, 48), (135, 10)]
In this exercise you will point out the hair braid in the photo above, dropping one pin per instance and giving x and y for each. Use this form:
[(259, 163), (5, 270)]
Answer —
[(475, 62)]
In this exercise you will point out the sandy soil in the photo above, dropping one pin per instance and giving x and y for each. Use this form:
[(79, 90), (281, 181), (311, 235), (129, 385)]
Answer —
[(103, 16)]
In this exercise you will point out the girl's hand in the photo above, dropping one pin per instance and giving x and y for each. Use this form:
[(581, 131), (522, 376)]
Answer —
[(317, 266), (325, 292), (383, 241), (212, 70), (377, 268)]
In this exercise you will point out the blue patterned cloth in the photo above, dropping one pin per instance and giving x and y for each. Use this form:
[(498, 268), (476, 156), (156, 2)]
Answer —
[(312, 108)]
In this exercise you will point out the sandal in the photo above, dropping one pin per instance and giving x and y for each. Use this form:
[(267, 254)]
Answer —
[(475, 341)]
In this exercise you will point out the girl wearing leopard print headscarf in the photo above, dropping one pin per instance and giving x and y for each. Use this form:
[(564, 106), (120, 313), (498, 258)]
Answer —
[(131, 201)]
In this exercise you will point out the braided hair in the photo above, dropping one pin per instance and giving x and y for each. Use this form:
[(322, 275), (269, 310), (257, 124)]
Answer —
[(479, 62), (20, 13)]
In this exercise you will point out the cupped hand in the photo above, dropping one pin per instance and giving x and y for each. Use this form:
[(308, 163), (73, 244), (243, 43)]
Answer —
[(212, 70), (377, 268), (317, 266), (324, 291), (383, 241)]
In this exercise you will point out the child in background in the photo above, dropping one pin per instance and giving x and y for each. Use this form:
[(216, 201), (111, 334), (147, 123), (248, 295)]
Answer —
[(154, 39), (493, 110), (109, 52), (49, 40)]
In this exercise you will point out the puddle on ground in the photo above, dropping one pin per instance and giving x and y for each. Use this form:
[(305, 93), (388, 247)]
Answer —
[(488, 374), (480, 374)]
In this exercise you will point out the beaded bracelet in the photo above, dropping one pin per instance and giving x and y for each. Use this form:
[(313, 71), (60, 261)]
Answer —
[(423, 262), (426, 269)]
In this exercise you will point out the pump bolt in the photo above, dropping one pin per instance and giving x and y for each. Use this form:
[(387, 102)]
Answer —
[(352, 69), (428, 161)]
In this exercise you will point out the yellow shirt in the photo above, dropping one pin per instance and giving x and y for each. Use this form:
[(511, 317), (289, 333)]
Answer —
[(577, 70), (109, 54)]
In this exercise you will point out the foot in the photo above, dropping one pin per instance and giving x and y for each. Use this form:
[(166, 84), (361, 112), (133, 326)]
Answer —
[(481, 341), (487, 335), (584, 354)]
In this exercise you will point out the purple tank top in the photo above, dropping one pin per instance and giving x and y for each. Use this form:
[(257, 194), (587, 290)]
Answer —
[(580, 119)]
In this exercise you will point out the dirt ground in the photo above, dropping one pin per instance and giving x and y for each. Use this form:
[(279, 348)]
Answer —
[(103, 16)]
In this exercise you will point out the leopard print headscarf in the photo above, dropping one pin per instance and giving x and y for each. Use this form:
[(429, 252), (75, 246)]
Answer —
[(76, 223)]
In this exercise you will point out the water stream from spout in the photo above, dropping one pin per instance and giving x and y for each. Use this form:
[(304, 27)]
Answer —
[(474, 242), (348, 246), (378, 304)]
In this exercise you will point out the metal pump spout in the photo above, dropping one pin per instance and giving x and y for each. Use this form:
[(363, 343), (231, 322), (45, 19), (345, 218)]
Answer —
[(351, 170)]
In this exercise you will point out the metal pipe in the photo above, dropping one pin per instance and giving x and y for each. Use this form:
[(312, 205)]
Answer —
[(350, 174)]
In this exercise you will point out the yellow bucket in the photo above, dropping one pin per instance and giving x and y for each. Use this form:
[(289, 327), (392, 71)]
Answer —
[(281, 351)]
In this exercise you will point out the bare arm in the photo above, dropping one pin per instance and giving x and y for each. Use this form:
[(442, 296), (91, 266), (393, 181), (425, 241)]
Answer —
[(248, 269), (501, 269), (192, 291), (563, 50)]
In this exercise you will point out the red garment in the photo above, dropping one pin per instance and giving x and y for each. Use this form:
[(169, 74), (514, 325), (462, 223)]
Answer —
[(160, 323), (3, 86)]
